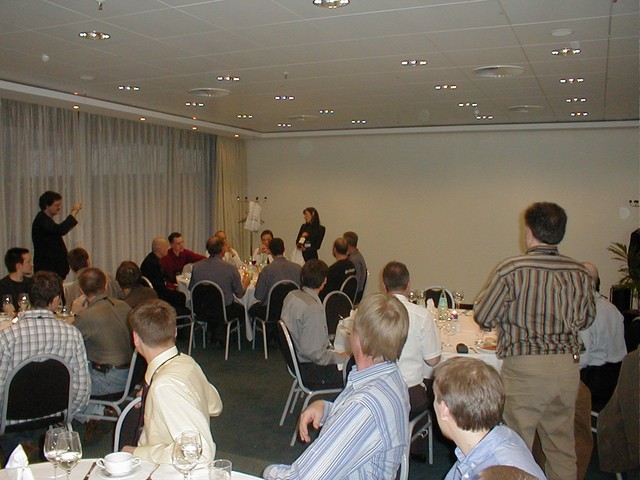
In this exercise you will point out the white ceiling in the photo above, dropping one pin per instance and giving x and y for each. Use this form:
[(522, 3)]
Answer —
[(346, 59)]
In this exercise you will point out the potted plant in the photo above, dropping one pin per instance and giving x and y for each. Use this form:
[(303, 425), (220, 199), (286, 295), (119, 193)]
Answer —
[(630, 276)]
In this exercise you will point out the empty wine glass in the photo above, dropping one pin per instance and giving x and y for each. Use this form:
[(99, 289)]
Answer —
[(412, 296), (458, 296), (7, 304), (183, 457), (23, 301), (69, 450), (448, 330), (192, 442), (51, 448)]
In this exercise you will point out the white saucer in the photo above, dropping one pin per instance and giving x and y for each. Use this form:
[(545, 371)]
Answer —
[(486, 350), (102, 473)]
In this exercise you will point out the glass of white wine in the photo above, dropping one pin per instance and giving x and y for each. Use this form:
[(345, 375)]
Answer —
[(51, 448), (183, 458), (69, 451), (23, 302)]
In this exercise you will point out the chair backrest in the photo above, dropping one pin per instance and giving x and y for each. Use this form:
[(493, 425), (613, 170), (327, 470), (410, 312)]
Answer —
[(360, 294), (288, 350), (350, 287), (207, 302), (145, 281), (336, 305), (38, 392), (433, 293), (276, 298), (127, 425)]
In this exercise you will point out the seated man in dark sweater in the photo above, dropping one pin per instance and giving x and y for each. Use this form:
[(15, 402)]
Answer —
[(18, 262), (340, 270)]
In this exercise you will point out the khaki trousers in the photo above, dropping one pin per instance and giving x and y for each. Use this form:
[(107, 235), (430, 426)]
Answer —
[(540, 395)]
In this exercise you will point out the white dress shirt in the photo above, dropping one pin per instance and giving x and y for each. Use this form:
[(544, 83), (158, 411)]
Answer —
[(604, 339)]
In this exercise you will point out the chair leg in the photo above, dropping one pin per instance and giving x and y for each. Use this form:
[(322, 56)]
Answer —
[(293, 437), (253, 342), (193, 322), (289, 399), (264, 340), (238, 331), (204, 335), (226, 344)]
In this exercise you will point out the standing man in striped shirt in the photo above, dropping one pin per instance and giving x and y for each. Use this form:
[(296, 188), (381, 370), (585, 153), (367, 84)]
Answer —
[(366, 430), (538, 302)]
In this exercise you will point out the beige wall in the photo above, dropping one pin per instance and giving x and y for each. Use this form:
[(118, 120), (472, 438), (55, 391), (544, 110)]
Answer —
[(449, 204)]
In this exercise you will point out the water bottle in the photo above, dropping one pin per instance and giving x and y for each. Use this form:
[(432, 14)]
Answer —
[(443, 307)]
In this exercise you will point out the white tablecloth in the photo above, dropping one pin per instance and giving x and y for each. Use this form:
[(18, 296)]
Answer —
[(164, 472), (247, 300)]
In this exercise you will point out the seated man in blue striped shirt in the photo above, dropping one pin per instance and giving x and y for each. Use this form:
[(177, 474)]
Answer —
[(365, 431)]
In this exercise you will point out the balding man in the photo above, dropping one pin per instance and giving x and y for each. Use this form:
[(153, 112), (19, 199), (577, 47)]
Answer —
[(604, 347), (151, 268), (230, 255), (340, 270)]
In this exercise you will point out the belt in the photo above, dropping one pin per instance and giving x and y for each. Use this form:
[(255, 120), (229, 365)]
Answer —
[(104, 368)]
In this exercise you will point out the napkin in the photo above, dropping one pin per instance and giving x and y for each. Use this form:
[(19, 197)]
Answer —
[(253, 217), (431, 306), (19, 461)]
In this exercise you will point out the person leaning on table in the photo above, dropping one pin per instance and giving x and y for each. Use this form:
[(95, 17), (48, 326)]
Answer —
[(179, 396), (365, 431)]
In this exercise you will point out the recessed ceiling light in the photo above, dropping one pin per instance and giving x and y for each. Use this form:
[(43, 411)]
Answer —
[(326, 111), (571, 80), (194, 118), (129, 88), (445, 87), (358, 122), (331, 3), (87, 77), (194, 104), (76, 107), (244, 116), (284, 125), (228, 78), (484, 117), (284, 97), (414, 63), (499, 71), (93, 35), (142, 119), (566, 52), (468, 104), (575, 100), (209, 92), (236, 135), (579, 114), (562, 32), (194, 128)]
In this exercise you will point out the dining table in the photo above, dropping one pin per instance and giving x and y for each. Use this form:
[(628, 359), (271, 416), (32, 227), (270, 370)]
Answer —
[(248, 299), (145, 471)]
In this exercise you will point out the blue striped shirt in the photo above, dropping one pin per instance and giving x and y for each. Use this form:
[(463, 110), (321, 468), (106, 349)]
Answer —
[(364, 434)]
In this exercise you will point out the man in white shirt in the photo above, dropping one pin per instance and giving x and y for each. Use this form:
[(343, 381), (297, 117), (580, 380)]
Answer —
[(421, 350), (604, 347), (230, 255), (179, 396)]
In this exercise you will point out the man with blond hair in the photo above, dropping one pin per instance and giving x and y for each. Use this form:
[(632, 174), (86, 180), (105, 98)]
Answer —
[(179, 396), (469, 401), (366, 430)]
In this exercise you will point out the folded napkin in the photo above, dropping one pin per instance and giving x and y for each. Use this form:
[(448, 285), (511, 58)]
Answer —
[(19, 462), (431, 307)]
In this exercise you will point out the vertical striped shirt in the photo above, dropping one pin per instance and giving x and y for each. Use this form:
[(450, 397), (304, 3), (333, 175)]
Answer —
[(364, 434), (39, 332), (538, 301)]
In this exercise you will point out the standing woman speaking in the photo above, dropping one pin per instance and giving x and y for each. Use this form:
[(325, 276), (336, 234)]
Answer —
[(311, 234)]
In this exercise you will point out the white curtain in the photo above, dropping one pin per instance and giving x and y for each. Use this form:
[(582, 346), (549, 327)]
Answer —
[(231, 183), (135, 180)]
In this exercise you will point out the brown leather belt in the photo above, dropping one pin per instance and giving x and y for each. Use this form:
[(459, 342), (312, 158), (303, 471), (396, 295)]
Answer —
[(104, 368)]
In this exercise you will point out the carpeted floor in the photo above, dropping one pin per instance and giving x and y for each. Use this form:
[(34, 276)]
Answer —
[(253, 391)]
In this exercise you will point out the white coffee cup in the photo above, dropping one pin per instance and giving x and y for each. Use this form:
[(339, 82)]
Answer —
[(118, 463)]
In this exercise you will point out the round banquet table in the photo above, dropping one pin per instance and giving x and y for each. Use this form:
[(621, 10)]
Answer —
[(44, 471)]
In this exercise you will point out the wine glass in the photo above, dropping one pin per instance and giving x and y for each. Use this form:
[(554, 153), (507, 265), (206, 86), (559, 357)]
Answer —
[(192, 442), (51, 448), (23, 301), (412, 296), (183, 459), (458, 296), (220, 470), (69, 450), (448, 330), (7, 303)]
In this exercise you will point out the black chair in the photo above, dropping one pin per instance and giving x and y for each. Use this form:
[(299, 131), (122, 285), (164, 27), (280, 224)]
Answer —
[(350, 287), (137, 369), (433, 293), (275, 300), (337, 305), (127, 426), (298, 387), (207, 302), (37, 393)]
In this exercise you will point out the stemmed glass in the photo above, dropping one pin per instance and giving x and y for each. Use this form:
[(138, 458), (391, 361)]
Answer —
[(458, 296), (448, 330), (186, 450), (7, 303), (69, 450), (24, 302), (51, 448)]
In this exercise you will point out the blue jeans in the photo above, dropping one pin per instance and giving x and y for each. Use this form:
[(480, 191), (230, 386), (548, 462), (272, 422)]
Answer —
[(104, 383)]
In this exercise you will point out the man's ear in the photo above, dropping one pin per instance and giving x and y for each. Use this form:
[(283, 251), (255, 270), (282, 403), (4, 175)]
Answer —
[(136, 339), (445, 414)]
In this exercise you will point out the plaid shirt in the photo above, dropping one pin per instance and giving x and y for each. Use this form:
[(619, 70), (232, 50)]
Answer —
[(39, 332), (538, 302)]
